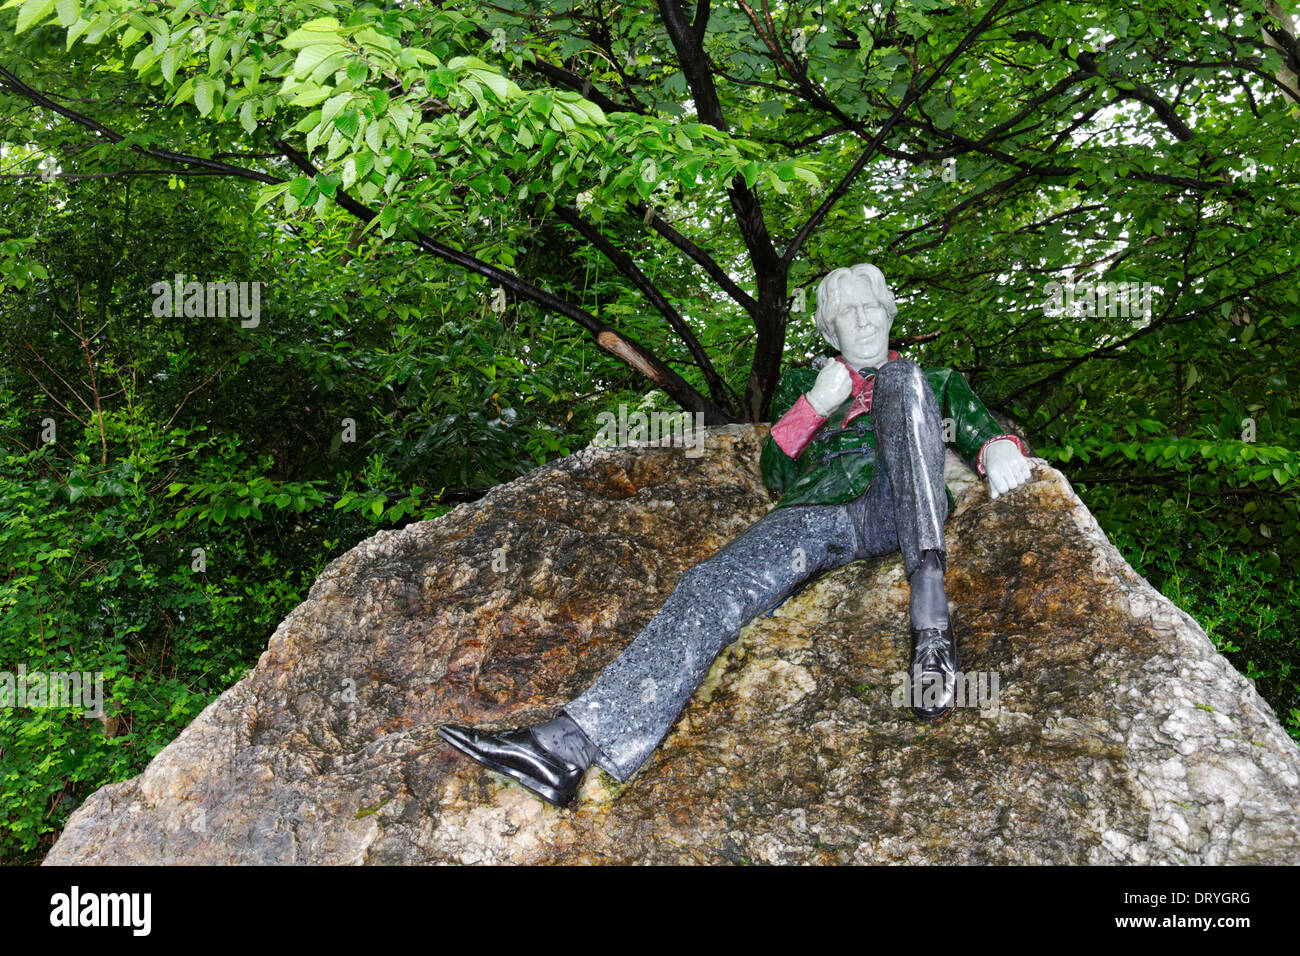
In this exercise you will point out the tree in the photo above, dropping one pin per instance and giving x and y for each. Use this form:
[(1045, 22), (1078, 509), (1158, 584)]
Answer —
[(625, 123)]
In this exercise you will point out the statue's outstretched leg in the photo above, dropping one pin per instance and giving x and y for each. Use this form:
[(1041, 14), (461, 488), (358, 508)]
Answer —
[(620, 719), (636, 699)]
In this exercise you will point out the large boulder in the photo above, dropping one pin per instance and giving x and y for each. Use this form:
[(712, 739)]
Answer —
[(1114, 733)]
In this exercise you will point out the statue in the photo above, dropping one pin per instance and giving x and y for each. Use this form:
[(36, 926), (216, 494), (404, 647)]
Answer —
[(856, 459)]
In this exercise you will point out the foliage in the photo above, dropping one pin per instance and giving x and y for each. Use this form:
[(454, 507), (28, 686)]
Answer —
[(94, 586)]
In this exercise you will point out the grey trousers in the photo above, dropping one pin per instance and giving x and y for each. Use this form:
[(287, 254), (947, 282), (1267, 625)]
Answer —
[(634, 702)]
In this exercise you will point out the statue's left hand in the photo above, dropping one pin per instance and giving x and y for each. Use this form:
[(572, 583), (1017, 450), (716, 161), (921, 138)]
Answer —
[(1005, 466)]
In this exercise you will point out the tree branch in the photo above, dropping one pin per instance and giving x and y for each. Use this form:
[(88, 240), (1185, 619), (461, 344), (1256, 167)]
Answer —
[(18, 86), (705, 261), (607, 337), (914, 93), (623, 262)]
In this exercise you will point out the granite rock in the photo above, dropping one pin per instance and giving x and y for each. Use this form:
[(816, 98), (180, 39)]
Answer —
[(1101, 724)]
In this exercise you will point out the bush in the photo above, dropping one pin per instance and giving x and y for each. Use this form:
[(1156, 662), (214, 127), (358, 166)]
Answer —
[(166, 589)]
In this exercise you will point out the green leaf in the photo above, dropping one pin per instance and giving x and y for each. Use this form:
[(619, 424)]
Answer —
[(497, 83), (310, 94), (300, 187), (77, 29), (324, 30), (808, 176), (333, 106), (203, 95), (101, 25), (32, 13), (310, 57), (400, 114), (348, 123)]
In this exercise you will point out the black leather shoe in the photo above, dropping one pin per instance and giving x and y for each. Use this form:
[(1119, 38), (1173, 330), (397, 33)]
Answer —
[(933, 684), (517, 754)]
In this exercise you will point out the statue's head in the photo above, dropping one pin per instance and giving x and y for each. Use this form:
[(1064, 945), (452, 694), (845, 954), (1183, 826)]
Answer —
[(855, 310)]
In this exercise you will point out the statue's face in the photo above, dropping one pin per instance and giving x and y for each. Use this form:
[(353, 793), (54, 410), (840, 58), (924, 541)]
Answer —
[(862, 326)]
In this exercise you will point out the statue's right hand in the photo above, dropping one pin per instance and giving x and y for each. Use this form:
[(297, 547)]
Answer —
[(833, 385)]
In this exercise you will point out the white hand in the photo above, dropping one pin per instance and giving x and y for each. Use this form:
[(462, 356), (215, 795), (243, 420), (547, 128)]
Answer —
[(833, 385), (1006, 467)]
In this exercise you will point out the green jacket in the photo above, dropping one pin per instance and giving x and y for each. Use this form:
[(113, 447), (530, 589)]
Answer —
[(834, 458)]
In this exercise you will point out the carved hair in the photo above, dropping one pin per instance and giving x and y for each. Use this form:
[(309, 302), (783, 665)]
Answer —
[(866, 279)]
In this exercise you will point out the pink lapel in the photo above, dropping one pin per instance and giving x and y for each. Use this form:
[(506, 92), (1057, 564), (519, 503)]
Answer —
[(862, 387)]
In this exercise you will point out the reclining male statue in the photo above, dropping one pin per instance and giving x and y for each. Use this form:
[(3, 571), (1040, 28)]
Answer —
[(857, 458)]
